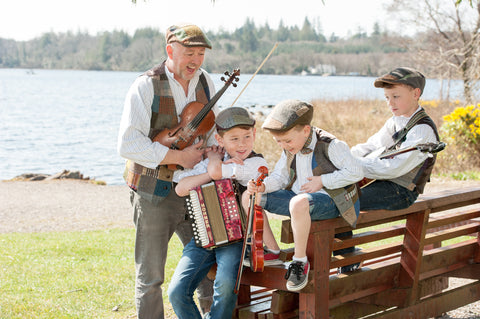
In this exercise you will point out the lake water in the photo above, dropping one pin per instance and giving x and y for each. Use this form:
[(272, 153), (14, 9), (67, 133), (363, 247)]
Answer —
[(53, 120)]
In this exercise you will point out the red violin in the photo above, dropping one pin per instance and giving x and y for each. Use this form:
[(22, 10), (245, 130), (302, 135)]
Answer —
[(254, 233)]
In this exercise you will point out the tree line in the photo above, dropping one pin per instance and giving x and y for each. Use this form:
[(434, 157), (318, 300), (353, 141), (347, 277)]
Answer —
[(300, 49), (446, 45)]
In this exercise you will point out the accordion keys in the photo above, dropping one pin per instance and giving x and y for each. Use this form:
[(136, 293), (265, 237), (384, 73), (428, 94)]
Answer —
[(215, 214)]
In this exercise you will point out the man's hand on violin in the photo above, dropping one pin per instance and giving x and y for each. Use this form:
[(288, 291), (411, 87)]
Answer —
[(191, 155), (215, 152)]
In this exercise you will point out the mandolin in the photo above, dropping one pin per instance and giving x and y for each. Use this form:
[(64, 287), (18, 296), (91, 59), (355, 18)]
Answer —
[(196, 120), (430, 148)]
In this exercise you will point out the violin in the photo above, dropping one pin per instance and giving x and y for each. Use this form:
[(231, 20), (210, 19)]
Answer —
[(254, 233), (196, 120)]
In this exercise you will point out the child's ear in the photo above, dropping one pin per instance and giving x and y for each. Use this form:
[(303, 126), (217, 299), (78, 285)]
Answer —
[(306, 129), (417, 93), (219, 139)]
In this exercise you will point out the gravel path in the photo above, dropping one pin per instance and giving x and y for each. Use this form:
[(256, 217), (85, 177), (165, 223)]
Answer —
[(62, 205)]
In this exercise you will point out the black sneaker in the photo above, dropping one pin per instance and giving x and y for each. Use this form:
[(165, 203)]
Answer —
[(297, 275), (352, 267), (349, 268)]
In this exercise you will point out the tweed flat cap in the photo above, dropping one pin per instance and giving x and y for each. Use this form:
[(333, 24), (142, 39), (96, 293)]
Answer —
[(188, 35), (233, 116), (287, 114), (402, 75)]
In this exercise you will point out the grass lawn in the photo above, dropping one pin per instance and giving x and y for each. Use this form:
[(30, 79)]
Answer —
[(68, 275), (74, 274)]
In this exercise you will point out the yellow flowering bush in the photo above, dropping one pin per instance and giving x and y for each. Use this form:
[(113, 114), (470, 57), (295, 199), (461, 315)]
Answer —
[(462, 126)]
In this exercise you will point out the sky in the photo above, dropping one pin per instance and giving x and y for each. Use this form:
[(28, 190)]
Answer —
[(23, 20)]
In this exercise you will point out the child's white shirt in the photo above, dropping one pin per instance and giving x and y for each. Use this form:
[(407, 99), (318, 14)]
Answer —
[(401, 164)]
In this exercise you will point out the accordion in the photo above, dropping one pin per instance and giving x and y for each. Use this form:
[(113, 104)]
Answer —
[(217, 218)]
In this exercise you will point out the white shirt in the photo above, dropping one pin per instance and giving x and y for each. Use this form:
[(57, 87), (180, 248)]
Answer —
[(376, 168), (242, 173), (133, 141), (349, 170)]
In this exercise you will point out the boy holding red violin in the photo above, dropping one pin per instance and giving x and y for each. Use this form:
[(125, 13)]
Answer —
[(233, 158), (314, 179)]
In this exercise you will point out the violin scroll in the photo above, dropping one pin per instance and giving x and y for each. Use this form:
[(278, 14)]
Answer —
[(263, 173), (231, 77)]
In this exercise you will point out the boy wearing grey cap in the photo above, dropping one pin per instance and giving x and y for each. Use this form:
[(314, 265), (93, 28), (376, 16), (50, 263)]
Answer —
[(233, 158), (314, 179), (397, 181), (400, 179)]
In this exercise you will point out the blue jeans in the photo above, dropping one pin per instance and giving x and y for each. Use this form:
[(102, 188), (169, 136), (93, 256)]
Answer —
[(386, 195), (193, 267), (321, 207), (382, 195)]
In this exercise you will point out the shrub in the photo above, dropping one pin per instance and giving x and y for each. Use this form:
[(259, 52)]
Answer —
[(461, 131)]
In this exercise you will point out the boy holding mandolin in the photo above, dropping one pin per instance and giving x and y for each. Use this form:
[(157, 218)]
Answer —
[(233, 158)]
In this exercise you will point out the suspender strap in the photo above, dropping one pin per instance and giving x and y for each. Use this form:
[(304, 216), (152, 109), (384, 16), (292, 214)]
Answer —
[(399, 136), (203, 80)]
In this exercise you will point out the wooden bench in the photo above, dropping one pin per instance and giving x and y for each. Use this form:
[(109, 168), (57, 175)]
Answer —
[(406, 269)]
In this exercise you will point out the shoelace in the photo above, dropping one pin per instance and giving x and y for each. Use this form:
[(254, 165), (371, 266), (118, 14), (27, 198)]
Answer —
[(297, 268)]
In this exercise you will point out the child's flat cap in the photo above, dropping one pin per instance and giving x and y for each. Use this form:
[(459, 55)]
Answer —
[(234, 116), (402, 75), (287, 114)]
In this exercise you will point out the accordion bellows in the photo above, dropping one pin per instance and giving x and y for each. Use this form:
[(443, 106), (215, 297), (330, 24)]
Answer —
[(216, 216)]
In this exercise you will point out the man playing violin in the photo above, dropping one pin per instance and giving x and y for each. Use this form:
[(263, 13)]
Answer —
[(155, 103)]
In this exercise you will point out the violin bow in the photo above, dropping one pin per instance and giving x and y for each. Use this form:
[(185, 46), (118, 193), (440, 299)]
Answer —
[(258, 69), (238, 96)]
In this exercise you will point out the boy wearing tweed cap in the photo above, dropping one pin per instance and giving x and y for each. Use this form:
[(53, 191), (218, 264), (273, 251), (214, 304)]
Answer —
[(398, 180), (233, 158), (314, 179)]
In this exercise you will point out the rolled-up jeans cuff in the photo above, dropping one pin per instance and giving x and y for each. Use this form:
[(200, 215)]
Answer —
[(263, 200)]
